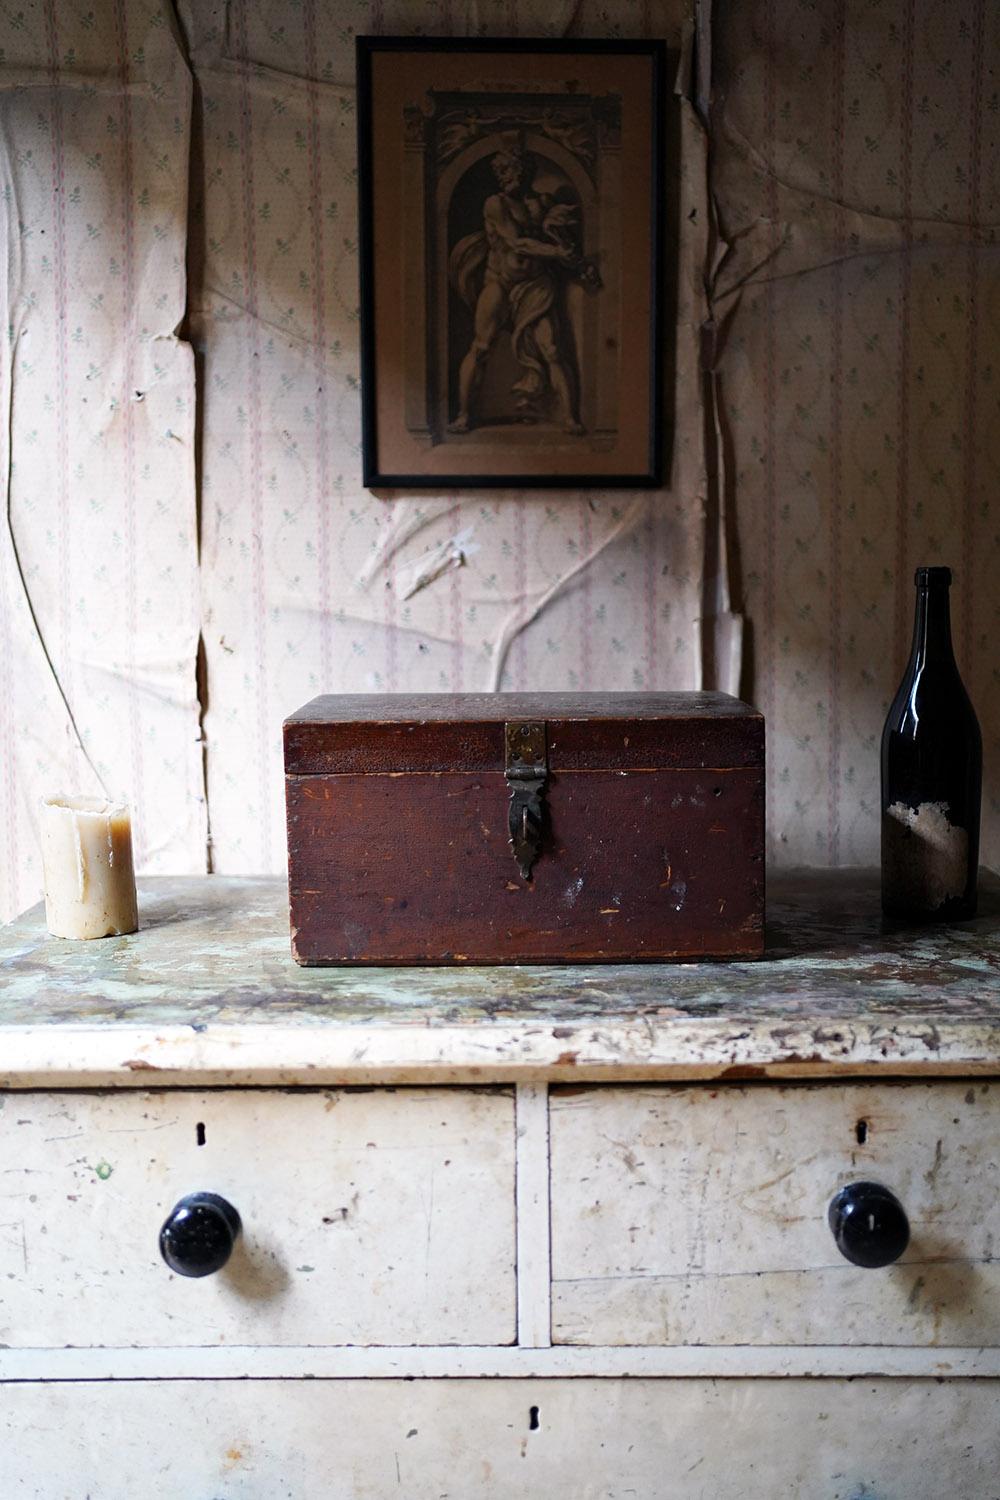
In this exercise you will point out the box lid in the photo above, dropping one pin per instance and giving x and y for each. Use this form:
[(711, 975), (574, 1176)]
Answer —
[(385, 732)]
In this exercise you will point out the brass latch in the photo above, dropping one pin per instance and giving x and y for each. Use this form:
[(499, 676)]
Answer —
[(525, 770)]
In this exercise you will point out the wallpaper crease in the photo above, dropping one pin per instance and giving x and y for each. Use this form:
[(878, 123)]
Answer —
[(311, 583), (856, 176), (98, 578), (186, 551)]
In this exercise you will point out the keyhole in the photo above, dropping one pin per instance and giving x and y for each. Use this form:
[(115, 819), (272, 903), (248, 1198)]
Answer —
[(861, 1132), (533, 1419), (199, 1133)]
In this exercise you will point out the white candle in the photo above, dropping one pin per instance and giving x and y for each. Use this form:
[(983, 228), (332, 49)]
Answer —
[(89, 876)]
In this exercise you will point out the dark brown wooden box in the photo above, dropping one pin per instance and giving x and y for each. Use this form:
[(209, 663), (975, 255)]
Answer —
[(652, 828)]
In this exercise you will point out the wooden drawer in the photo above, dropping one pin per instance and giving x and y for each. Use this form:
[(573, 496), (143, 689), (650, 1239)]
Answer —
[(369, 1217), (594, 1440), (699, 1215)]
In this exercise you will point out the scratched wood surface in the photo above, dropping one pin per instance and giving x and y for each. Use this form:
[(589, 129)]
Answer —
[(652, 844), (633, 865), (460, 1440), (208, 989), (698, 1215), (371, 732), (368, 1218)]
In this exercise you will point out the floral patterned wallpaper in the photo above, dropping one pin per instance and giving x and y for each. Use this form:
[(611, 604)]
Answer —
[(857, 178), (188, 554), (156, 538), (99, 590), (309, 582)]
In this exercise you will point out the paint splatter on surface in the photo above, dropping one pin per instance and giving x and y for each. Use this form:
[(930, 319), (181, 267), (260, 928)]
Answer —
[(215, 951)]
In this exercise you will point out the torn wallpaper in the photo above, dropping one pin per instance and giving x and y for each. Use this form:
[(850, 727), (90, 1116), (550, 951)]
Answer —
[(98, 547), (310, 583), (857, 176), (852, 300)]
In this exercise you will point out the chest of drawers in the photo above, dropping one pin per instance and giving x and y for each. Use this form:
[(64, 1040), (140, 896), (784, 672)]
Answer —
[(504, 1232)]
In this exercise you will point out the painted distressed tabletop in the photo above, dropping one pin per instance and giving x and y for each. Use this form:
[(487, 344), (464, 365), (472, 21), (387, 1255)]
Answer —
[(207, 993)]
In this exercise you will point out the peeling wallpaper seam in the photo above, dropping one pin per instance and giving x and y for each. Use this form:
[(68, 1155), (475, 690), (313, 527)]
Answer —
[(722, 626), (835, 416), (860, 409), (97, 544), (506, 611), (162, 164), (521, 618)]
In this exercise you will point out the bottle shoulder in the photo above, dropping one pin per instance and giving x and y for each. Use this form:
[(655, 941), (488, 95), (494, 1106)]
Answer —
[(933, 693)]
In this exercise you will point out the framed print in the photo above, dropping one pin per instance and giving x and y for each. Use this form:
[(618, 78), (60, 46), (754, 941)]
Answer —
[(511, 197)]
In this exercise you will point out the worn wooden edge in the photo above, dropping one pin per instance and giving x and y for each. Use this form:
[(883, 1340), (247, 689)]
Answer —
[(465, 732), (291, 1362), (636, 1050), (463, 749), (534, 1230), (402, 708), (746, 943)]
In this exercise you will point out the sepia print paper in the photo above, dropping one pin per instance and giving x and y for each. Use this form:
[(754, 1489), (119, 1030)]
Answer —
[(511, 324)]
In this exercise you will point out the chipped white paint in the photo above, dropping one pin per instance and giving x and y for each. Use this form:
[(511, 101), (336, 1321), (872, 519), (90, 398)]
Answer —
[(207, 993), (496, 1362), (632, 1047), (688, 1256), (383, 1218), (533, 1254), (685, 1215), (437, 1440)]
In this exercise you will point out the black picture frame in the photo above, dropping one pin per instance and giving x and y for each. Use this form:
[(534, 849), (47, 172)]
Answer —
[(373, 174)]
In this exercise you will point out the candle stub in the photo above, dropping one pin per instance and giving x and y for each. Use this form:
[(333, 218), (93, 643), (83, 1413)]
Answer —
[(89, 875)]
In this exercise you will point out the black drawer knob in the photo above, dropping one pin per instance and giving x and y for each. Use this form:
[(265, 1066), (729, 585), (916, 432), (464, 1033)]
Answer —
[(199, 1234), (869, 1224)]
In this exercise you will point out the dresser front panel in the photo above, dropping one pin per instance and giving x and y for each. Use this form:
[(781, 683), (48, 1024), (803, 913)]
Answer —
[(698, 1215), (369, 1217), (502, 1440)]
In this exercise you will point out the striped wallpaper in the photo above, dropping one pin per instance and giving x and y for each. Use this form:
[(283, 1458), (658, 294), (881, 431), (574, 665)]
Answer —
[(181, 388), (857, 162)]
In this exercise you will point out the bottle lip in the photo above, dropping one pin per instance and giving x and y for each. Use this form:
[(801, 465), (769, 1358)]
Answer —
[(926, 578)]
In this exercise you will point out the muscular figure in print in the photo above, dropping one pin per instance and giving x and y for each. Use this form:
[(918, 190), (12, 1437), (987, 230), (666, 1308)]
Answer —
[(508, 273)]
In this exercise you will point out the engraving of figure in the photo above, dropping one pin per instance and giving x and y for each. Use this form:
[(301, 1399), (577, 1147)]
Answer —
[(512, 274)]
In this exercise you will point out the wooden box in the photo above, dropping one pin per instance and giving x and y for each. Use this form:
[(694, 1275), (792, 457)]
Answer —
[(525, 828)]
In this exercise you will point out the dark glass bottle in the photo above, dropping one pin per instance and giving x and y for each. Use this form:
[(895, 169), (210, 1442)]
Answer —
[(932, 774)]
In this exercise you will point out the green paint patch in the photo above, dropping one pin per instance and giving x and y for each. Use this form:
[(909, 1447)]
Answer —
[(305, 1268), (104, 1170)]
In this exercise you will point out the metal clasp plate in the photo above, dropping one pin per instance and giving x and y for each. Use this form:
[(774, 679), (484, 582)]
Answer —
[(525, 770)]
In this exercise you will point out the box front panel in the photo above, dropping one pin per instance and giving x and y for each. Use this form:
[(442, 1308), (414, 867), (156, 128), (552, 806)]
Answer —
[(634, 864)]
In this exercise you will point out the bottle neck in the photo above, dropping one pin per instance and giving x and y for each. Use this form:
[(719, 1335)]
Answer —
[(932, 628)]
